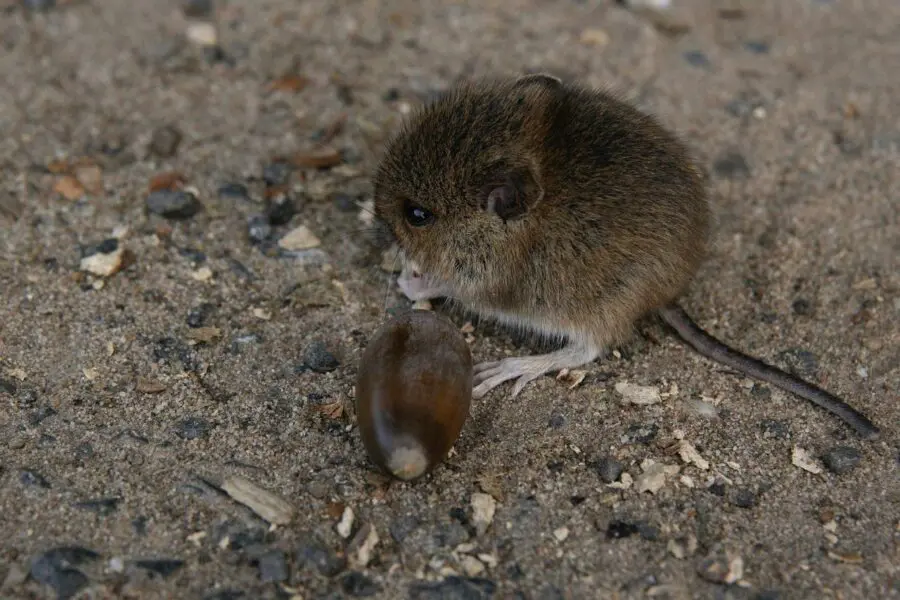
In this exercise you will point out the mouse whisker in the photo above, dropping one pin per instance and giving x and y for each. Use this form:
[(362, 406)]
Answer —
[(390, 281)]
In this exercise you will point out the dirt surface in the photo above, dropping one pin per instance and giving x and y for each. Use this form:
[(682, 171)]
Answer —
[(128, 399)]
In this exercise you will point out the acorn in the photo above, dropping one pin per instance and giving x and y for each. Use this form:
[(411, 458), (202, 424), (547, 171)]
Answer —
[(413, 393)]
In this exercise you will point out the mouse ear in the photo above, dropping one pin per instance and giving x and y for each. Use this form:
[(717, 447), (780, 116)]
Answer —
[(511, 194), (542, 79)]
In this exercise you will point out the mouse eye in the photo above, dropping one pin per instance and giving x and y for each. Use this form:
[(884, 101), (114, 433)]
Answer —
[(416, 215)]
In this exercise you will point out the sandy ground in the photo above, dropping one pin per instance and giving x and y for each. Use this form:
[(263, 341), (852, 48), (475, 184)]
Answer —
[(126, 400)]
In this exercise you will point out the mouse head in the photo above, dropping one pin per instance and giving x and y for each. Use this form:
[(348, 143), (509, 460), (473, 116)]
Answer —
[(460, 186)]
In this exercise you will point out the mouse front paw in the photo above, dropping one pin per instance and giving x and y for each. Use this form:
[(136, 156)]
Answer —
[(418, 287)]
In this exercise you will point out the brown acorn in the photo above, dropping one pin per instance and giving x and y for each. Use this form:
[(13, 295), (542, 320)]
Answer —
[(413, 393)]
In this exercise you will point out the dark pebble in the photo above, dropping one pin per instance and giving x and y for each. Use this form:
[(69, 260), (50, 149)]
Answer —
[(743, 498), (767, 595), (401, 527), (101, 506), (318, 556), (27, 397), (173, 204), (139, 524), (609, 469), (641, 434), (197, 8), (620, 529), (280, 209), (197, 316), (556, 466), (717, 488), (647, 531), (453, 588), (757, 47), (39, 5), (228, 594), (356, 584), (760, 391), (216, 54), (277, 173), (802, 363), (731, 165), (28, 477), (272, 566), (773, 428), (56, 568), (842, 459), (163, 567), (696, 58), (83, 451), (7, 386), (234, 190), (802, 307), (451, 536), (557, 420), (107, 246), (192, 254), (192, 428), (344, 93), (164, 142), (168, 350), (344, 202), (459, 515), (239, 535), (40, 415), (391, 95), (319, 359), (577, 500)]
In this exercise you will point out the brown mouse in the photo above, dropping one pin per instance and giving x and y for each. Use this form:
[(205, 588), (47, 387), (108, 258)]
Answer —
[(558, 209)]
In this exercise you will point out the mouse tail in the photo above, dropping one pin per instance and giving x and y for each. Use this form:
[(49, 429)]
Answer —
[(705, 344)]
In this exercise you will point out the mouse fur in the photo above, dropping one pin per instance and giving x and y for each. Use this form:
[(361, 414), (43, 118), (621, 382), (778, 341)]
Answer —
[(548, 206)]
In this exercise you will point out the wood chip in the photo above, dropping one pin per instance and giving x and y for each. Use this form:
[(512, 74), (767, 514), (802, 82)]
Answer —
[(317, 159), (204, 335), (363, 546), (288, 83), (148, 386), (331, 410), (803, 459), (264, 503), (105, 264), (69, 188), (169, 180), (345, 525)]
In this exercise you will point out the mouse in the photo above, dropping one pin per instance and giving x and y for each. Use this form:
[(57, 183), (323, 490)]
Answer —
[(558, 209)]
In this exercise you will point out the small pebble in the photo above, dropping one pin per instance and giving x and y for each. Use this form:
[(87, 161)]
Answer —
[(403, 526), (280, 208), (326, 562), (165, 141), (192, 428), (802, 363), (56, 568), (197, 8), (33, 478), (557, 420), (696, 58), (163, 567), (358, 585), (272, 566), (640, 433), (345, 202), (620, 529), (300, 238), (802, 307), (721, 569), (609, 469), (101, 506), (757, 47), (259, 229), (842, 459), (234, 190), (452, 588), (638, 394), (203, 34), (264, 503), (483, 507), (173, 204), (197, 316), (743, 498), (731, 165), (277, 174), (318, 358)]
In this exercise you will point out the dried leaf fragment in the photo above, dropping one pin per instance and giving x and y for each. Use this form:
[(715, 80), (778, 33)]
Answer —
[(264, 503), (288, 83), (317, 159), (69, 188), (204, 335), (803, 459), (331, 410), (148, 386)]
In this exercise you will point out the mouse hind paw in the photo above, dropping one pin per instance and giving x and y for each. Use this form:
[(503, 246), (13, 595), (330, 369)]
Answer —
[(525, 369)]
